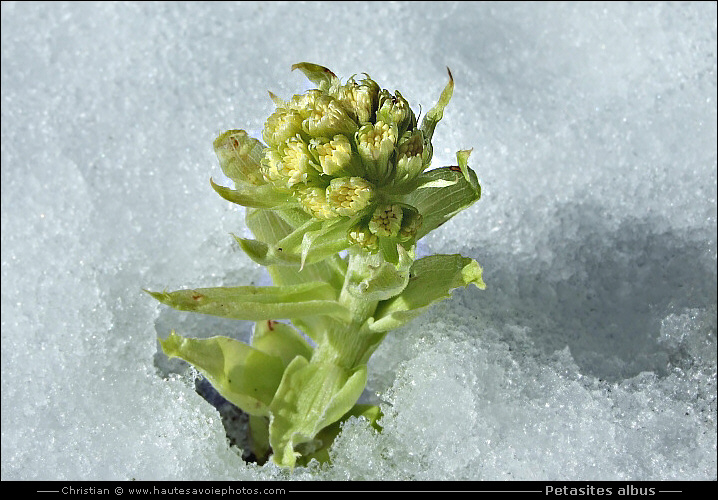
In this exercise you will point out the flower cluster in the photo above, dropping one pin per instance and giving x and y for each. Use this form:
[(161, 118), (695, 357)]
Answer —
[(346, 151)]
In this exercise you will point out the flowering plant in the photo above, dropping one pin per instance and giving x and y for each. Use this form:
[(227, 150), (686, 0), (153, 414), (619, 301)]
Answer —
[(343, 167)]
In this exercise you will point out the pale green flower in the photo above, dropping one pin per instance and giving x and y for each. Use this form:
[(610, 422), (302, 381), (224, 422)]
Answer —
[(409, 156), (302, 103), (281, 125), (349, 195), (375, 143), (325, 117), (342, 169), (386, 221), (359, 99), (314, 202), (395, 109), (411, 221), (334, 155), (290, 164), (272, 166), (360, 235)]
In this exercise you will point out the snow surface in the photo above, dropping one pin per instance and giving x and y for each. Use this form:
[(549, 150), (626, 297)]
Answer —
[(591, 354)]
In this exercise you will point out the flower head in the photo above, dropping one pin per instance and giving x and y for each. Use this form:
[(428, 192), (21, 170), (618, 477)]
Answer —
[(281, 125), (290, 164), (360, 235), (386, 221), (375, 144), (411, 221), (410, 156), (395, 109), (314, 202), (323, 116), (349, 195), (359, 99), (335, 155)]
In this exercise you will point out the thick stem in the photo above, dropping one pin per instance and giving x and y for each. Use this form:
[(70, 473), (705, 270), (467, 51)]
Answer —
[(349, 344)]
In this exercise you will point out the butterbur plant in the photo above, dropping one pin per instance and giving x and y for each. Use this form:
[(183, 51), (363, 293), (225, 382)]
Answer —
[(337, 194)]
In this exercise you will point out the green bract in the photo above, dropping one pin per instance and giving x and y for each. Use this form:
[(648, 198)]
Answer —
[(343, 167)]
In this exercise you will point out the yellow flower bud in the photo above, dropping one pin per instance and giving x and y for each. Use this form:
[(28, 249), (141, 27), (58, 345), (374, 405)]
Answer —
[(314, 202), (360, 235), (322, 115), (333, 156), (349, 195), (409, 156), (290, 164), (395, 109), (281, 125), (410, 223), (359, 99), (386, 221), (375, 143)]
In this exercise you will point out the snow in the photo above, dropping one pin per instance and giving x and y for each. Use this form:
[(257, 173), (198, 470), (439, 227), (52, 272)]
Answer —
[(590, 355)]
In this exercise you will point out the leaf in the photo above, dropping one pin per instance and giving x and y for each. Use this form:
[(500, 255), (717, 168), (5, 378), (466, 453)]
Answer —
[(280, 340), (331, 241), (332, 236), (244, 376), (248, 195), (439, 204), (435, 114), (310, 397), (432, 279), (319, 75), (373, 279), (257, 303), (270, 227)]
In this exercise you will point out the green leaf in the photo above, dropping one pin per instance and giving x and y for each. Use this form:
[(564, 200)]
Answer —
[(328, 240), (439, 204), (257, 303), (270, 226), (435, 114), (248, 195), (310, 243), (244, 376), (310, 397), (375, 279), (280, 340), (432, 279), (462, 157), (319, 75)]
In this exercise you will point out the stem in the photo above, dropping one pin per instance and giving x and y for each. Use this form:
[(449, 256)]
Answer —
[(350, 344)]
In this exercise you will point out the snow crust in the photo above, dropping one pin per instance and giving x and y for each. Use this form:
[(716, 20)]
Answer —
[(590, 355)]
